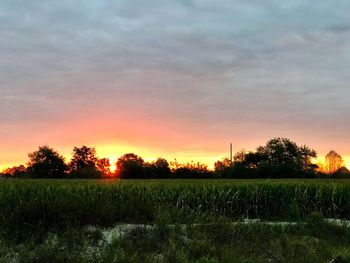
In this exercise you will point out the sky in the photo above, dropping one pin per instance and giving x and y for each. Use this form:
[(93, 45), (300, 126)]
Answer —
[(177, 79)]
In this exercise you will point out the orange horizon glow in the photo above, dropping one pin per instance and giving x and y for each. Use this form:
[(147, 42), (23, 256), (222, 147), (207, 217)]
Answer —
[(347, 161), (114, 152), (109, 151)]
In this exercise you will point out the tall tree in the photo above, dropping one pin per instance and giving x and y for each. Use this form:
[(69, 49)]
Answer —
[(157, 169), (46, 163), (84, 162), (83, 157), (130, 166), (333, 162), (285, 156)]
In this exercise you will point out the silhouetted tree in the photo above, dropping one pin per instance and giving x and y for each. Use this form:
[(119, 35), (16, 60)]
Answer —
[(224, 168), (280, 157), (239, 157), (342, 172), (283, 157), (84, 162), (83, 157), (104, 166), (157, 169), (192, 170), (130, 166), (46, 163), (239, 168), (252, 159), (15, 171)]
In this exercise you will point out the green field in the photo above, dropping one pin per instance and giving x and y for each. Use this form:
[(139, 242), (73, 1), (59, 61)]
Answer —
[(189, 217), (103, 202)]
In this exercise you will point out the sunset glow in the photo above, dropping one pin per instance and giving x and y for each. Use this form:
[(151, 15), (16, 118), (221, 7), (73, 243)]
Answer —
[(347, 161), (113, 166), (114, 152), (173, 80)]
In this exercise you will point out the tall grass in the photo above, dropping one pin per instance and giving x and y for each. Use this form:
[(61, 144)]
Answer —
[(61, 203)]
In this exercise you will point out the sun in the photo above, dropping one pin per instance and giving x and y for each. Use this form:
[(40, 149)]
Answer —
[(113, 166)]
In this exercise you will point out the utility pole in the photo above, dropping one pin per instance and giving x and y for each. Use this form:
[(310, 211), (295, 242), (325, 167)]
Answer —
[(231, 153)]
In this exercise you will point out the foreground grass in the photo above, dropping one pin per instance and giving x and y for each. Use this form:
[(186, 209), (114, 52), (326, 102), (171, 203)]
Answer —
[(311, 241)]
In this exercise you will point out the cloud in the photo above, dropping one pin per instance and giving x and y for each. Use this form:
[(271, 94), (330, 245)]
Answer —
[(239, 69)]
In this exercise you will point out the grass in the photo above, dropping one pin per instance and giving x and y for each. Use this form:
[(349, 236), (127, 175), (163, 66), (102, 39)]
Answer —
[(49, 220), (93, 202), (313, 241)]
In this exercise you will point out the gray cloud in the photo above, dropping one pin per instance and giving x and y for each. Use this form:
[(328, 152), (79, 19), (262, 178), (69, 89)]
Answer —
[(262, 68)]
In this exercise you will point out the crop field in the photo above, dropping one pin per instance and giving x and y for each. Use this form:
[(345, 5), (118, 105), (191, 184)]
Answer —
[(106, 202), (52, 220)]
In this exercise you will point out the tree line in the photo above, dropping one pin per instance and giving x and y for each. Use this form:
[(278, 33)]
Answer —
[(282, 158), (279, 158)]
